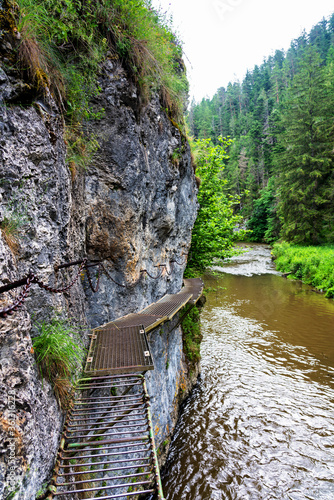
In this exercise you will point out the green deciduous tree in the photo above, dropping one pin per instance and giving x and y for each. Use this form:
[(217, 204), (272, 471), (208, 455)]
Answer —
[(213, 233)]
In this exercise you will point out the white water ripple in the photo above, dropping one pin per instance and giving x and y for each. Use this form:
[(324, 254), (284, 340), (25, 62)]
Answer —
[(254, 261)]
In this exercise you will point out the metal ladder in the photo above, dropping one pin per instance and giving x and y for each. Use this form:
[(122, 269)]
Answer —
[(107, 449)]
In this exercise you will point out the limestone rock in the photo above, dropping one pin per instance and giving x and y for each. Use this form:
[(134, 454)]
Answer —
[(133, 208)]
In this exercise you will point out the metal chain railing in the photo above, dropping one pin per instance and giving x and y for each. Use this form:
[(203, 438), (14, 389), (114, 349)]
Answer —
[(171, 268), (27, 282), (32, 278), (126, 285), (179, 263), (18, 302), (154, 277)]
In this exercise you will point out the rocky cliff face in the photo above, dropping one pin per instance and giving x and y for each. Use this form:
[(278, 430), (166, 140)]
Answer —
[(133, 208)]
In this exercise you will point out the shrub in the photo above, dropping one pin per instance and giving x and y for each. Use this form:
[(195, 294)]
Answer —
[(214, 230)]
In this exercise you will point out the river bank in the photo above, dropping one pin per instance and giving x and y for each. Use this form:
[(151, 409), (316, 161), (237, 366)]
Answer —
[(313, 265)]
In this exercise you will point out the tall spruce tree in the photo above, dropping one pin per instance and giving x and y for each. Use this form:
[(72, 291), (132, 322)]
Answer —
[(305, 160)]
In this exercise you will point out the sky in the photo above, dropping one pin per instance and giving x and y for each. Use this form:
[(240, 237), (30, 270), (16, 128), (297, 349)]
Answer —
[(224, 38)]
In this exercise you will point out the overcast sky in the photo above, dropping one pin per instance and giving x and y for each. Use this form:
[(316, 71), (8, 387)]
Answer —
[(224, 38)]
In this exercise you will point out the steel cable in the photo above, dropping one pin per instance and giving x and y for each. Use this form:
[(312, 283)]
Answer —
[(94, 289)]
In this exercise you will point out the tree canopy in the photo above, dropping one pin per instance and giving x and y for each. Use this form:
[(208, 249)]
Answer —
[(281, 117)]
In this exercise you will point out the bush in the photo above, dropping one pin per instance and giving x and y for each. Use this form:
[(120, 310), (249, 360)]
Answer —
[(214, 230)]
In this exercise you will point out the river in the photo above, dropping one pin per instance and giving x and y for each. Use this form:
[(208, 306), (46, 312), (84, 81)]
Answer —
[(259, 424)]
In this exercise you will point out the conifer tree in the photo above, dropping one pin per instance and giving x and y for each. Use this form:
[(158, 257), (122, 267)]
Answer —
[(250, 112), (305, 162)]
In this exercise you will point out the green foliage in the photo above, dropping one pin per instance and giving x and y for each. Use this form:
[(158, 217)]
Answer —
[(12, 494), (264, 222), (176, 156), (145, 40), (306, 159), (213, 232), (11, 228), (192, 336), (42, 491), (80, 148), (313, 265), (63, 43), (14, 220), (281, 119), (59, 354)]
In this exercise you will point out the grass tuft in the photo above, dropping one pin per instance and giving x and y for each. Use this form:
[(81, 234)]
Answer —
[(35, 53), (10, 233), (62, 46), (80, 148), (12, 227), (59, 355)]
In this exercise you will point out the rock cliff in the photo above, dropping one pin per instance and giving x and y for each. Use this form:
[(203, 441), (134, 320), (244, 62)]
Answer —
[(133, 207)]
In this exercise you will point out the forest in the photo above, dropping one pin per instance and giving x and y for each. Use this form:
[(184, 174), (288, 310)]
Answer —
[(281, 122)]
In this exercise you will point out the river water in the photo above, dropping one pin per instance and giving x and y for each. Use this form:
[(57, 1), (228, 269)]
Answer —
[(259, 425)]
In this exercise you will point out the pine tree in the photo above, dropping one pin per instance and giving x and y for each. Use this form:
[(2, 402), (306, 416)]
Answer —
[(250, 112)]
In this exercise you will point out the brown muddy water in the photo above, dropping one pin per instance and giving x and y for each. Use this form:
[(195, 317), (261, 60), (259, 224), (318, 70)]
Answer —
[(259, 425)]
